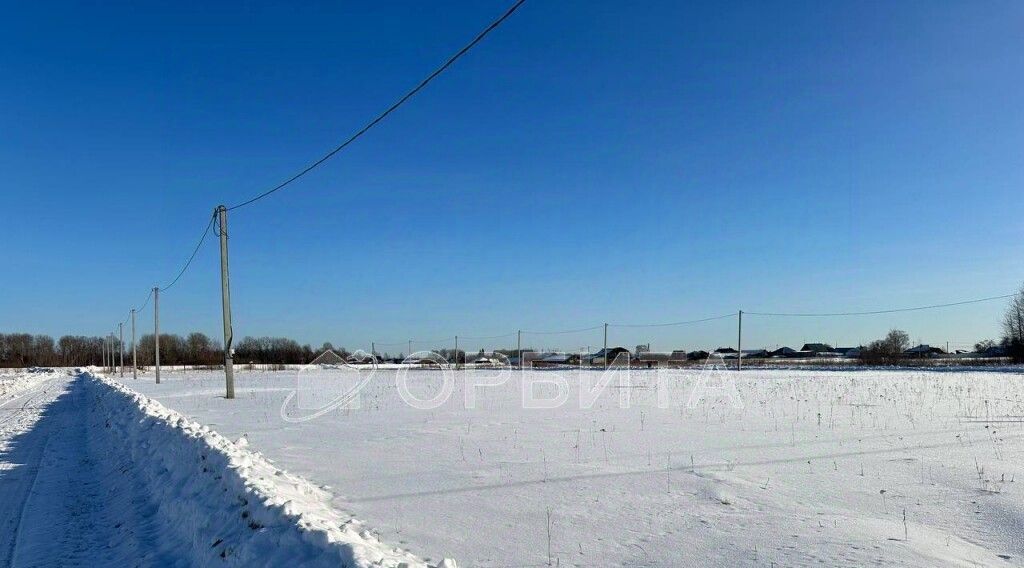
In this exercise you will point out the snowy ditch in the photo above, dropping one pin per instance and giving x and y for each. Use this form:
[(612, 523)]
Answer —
[(223, 503)]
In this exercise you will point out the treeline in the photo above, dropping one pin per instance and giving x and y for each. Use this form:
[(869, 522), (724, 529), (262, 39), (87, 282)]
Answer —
[(276, 350), (27, 350)]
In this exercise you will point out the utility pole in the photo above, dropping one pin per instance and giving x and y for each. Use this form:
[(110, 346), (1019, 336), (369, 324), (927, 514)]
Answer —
[(156, 332), (409, 352), (519, 347), (135, 361), (739, 343), (225, 295), (103, 353), (120, 345), (456, 352), (373, 349), (605, 345)]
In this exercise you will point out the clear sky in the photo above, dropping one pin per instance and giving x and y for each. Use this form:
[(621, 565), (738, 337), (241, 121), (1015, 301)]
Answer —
[(588, 162)]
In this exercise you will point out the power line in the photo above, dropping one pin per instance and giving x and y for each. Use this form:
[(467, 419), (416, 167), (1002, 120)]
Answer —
[(146, 303), (449, 338), (670, 324), (193, 256), (561, 332), (451, 60), (422, 84), (876, 312), (482, 337)]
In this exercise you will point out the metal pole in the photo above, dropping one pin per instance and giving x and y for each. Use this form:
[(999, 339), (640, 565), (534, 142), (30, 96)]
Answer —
[(156, 332), (409, 353), (606, 346), (456, 352), (519, 346), (135, 358), (225, 295), (373, 349), (739, 343), (120, 345)]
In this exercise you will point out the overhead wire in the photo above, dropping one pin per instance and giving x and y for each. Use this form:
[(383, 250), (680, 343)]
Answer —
[(878, 312), (675, 323), (379, 118), (451, 60), (563, 331)]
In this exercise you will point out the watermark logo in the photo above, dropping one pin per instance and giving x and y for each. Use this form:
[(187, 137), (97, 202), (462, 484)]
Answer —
[(427, 380), (328, 383), (715, 381)]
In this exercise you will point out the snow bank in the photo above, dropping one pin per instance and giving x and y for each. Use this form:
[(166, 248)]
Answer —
[(227, 503)]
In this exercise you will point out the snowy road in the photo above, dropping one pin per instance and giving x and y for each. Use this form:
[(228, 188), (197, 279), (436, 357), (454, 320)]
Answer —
[(92, 474), (65, 499), (22, 453)]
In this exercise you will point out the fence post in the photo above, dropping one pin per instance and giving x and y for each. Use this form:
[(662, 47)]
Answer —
[(225, 295)]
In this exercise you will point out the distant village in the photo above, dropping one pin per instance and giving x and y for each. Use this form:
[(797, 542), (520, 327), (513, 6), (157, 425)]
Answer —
[(641, 356)]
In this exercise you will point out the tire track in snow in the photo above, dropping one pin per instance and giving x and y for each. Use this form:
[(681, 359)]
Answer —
[(20, 465)]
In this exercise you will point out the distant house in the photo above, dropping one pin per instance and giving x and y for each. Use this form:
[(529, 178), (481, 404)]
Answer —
[(784, 352), (610, 355), (923, 350), (556, 360), (994, 351), (651, 359), (816, 348), (697, 355), (845, 351), (755, 353), (677, 355), (725, 351)]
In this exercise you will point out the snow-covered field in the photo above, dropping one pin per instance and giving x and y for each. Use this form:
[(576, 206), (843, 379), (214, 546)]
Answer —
[(817, 467)]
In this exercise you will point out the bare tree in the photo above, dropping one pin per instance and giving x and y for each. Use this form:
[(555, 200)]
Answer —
[(886, 351), (1013, 327)]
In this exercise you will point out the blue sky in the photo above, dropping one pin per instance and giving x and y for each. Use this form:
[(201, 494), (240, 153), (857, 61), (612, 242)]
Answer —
[(588, 162)]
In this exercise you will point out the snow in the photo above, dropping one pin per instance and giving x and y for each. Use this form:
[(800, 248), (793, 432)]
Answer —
[(92, 473), (817, 467)]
